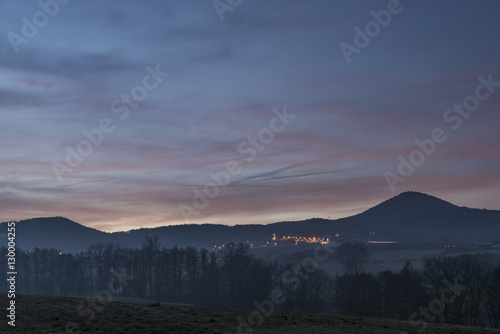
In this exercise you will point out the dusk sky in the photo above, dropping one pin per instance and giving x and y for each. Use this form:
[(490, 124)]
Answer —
[(90, 78)]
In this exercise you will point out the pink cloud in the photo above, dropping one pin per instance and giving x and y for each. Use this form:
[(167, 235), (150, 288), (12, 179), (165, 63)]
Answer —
[(32, 83)]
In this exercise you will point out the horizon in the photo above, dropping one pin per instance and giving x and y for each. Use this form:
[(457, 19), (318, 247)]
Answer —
[(236, 166), (267, 223), (124, 115)]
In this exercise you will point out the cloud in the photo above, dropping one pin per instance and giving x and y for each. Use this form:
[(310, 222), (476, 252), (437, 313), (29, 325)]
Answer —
[(226, 77), (32, 83)]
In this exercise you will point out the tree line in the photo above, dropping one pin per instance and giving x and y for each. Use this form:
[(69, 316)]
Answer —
[(463, 289)]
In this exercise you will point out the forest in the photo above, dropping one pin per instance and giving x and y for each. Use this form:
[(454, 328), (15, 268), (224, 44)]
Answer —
[(463, 289)]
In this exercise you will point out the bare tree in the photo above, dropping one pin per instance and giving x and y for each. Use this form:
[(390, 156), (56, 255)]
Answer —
[(151, 251), (353, 256), (492, 298)]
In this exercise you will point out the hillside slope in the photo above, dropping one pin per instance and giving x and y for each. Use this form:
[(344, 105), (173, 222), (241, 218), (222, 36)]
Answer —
[(54, 232), (39, 314)]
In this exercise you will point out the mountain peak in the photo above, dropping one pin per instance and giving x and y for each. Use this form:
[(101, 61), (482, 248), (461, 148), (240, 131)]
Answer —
[(420, 198), (53, 220), (412, 202)]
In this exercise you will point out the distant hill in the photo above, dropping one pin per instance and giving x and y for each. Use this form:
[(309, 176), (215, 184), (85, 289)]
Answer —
[(408, 216), (57, 232), (417, 216), (408, 203)]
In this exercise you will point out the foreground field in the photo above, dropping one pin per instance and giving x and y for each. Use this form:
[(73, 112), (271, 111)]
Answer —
[(38, 314)]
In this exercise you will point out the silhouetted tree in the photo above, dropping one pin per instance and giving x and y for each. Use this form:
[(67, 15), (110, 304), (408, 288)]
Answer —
[(352, 255), (150, 253), (492, 298), (466, 288)]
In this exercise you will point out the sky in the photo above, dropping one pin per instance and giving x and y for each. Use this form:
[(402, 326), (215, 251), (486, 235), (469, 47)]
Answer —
[(128, 114)]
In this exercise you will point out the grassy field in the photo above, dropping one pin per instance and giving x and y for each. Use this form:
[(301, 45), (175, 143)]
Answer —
[(39, 314)]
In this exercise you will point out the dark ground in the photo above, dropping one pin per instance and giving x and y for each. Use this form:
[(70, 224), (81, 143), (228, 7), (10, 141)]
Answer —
[(40, 314)]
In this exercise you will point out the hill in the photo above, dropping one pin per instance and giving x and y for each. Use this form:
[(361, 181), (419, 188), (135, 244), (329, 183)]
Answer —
[(57, 232), (408, 216), (417, 216), (408, 203), (39, 314)]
